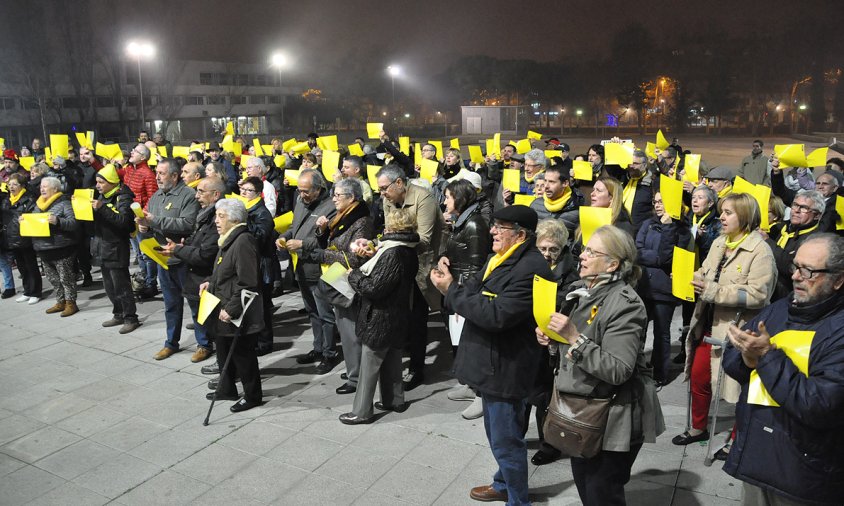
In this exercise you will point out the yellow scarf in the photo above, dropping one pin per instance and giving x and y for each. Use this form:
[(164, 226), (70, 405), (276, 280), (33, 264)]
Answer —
[(222, 239), (557, 205), (629, 192), (111, 192), (696, 221), (251, 203), (735, 244), (499, 259), (530, 179), (726, 191), (44, 204), (785, 236), (194, 184), (14, 198)]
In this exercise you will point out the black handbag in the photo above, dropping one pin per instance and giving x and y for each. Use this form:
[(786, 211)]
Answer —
[(330, 294), (575, 424)]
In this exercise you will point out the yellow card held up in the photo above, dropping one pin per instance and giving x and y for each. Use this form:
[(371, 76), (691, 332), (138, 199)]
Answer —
[(373, 130), (490, 150), (552, 153), (521, 199), (650, 150), (404, 145), (181, 152), (244, 161), (593, 218), (429, 170), (152, 249), (207, 302), (534, 135), (109, 151), (59, 144), (162, 150), (618, 154), (439, 146), (682, 273), (523, 146), (268, 149), (330, 142), (511, 179), (741, 185), (82, 140), (817, 158), (35, 225), (227, 143), (796, 344), (330, 163), (292, 176), (48, 155), (417, 154), (692, 168), (582, 170), (26, 161), (237, 149), (256, 143), (454, 143), (286, 145), (791, 155), (661, 141), (545, 305), (355, 149), (283, 222), (278, 161), (301, 148), (839, 208), (475, 154), (81, 202), (372, 176), (496, 144), (672, 196)]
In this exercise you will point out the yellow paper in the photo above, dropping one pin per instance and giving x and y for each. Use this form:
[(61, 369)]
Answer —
[(81, 202), (741, 185), (523, 146), (288, 144), (229, 128), (672, 195), (292, 176), (552, 153), (330, 142), (429, 170), (475, 154), (692, 168), (256, 143), (682, 273), (244, 161), (417, 154), (761, 193), (278, 161), (162, 150), (839, 208), (89, 137), (330, 164), (148, 247), (207, 302), (439, 147), (817, 158), (136, 209), (334, 272), (404, 145), (35, 225), (373, 130), (294, 257), (59, 145), (26, 161), (661, 141), (82, 140), (618, 154), (593, 218), (521, 199), (796, 344), (355, 149), (181, 152), (372, 176), (650, 150), (237, 149), (582, 170), (238, 197), (544, 305), (48, 155), (454, 143), (791, 155), (227, 143), (490, 150), (511, 179), (283, 222), (268, 149), (301, 148), (534, 135), (197, 146), (496, 144)]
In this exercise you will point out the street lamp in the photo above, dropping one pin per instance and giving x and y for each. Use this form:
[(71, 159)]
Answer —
[(579, 113), (279, 61), (393, 70), (140, 50)]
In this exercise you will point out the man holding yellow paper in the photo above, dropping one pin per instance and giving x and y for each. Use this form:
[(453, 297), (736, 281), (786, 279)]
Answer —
[(791, 453), (560, 201)]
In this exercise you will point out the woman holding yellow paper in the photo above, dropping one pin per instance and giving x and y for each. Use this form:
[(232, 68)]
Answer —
[(607, 193), (735, 281), (21, 201), (58, 251), (605, 328)]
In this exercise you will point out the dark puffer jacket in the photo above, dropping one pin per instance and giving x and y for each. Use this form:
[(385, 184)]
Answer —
[(469, 244), (199, 252), (63, 233), (385, 294), (655, 243), (11, 227), (114, 221)]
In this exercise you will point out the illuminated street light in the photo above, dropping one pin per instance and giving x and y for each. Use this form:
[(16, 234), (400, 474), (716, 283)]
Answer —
[(279, 61), (140, 50), (802, 107), (393, 70)]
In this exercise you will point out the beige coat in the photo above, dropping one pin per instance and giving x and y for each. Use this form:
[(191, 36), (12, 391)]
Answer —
[(746, 284), (429, 226)]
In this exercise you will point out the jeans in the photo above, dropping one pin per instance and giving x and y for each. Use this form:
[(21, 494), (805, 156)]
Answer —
[(199, 330), (6, 269), (321, 314), (148, 267), (172, 280), (504, 421), (661, 312)]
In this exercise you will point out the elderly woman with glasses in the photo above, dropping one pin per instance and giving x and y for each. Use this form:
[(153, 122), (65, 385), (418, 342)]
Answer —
[(20, 201), (335, 236), (256, 167), (236, 269), (604, 321), (735, 282)]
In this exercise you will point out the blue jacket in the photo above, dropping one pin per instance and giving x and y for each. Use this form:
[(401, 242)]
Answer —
[(794, 450), (655, 243)]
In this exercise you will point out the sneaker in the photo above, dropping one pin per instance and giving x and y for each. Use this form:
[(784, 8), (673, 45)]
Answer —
[(201, 353), (22, 298), (210, 369), (34, 300), (475, 410), (461, 393)]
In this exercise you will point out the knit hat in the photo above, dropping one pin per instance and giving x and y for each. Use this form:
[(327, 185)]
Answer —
[(109, 173), (10, 154)]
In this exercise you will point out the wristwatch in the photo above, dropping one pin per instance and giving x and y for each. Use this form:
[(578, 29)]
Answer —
[(575, 351)]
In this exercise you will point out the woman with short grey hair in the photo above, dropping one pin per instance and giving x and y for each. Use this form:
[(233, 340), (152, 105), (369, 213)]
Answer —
[(234, 210)]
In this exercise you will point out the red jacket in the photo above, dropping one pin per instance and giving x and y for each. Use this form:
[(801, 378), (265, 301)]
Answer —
[(141, 180)]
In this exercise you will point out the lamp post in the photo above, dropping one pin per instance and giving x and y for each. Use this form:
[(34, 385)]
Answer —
[(279, 61), (393, 70), (140, 50)]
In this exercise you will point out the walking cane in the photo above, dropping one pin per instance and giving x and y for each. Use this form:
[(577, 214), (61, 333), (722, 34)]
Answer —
[(707, 461), (246, 298)]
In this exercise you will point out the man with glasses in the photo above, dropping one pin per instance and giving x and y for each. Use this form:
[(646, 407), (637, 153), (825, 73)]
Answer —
[(827, 184), (498, 356), (720, 180), (138, 176), (789, 451), (300, 240), (754, 167), (784, 239)]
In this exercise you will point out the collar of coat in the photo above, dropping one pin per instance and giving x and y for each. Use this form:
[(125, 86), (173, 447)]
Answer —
[(528, 245), (227, 239)]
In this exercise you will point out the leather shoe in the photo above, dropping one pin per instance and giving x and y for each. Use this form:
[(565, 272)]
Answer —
[(201, 353), (346, 388), (413, 380), (214, 382), (543, 457), (326, 365), (263, 350), (115, 321), (190, 326), (344, 376), (243, 405), (308, 358), (687, 439), (164, 353), (353, 419), (723, 452), (129, 326), (487, 493), (401, 408), (222, 397), (7, 293), (210, 369)]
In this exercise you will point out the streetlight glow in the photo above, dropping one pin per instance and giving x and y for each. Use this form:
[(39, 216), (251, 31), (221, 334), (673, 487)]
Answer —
[(278, 60), (140, 50), (394, 70)]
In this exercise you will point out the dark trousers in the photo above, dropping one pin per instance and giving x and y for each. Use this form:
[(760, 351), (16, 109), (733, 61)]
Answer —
[(661, 312), (265, 337), (321, 314), (244, 363), (172, 281), (118, 287), (200, 331), (600, 480), (83, 254), (381, 367), (504, 421), (541, 402), (418, 332), (28, 266)]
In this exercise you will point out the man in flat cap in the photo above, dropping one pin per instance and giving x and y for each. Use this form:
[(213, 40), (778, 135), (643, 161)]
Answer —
[(498, 355)]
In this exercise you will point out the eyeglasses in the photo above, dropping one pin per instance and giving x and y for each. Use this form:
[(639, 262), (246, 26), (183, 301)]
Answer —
[(342, 194), (383, 189), (806, 272), (498, 226), (798, 208), (591, 253), (554, 250), (247, 190)]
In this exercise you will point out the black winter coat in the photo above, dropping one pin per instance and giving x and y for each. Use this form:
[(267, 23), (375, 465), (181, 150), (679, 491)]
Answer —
[(236, 269), (498, 353), (114, 222), (469, 244), (385, 295), (655, 243), (784, 256), (199, 252), (11, 238)]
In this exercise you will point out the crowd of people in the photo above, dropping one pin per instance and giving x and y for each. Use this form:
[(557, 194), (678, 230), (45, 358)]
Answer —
[(457, 246)]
